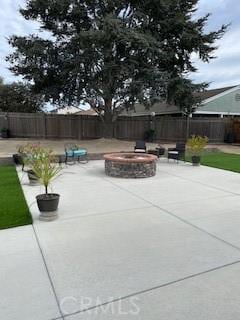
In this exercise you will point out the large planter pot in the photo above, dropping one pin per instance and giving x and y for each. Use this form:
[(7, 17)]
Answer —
[(33, 179), (230, 137), (149, 135), (196, 160), (5, 134), (18, 159), (48, 205)]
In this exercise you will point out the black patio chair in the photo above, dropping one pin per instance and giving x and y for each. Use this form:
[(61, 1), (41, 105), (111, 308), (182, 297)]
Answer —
[(177, 153), (140, 147)]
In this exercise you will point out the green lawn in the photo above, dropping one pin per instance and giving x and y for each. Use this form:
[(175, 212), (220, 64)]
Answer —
[(13, 207), (222, 160)]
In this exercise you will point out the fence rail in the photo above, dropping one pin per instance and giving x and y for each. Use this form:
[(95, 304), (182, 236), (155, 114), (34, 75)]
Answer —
[(39, 125)]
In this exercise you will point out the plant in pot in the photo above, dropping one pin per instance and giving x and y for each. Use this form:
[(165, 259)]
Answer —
[(5, 133), (149, 135), (196, 144), (46, 169), (20, 158), (27, 154)]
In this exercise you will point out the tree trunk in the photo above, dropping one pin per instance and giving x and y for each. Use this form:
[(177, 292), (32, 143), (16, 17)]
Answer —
[(108, 128), (187, 127), (108, 125)]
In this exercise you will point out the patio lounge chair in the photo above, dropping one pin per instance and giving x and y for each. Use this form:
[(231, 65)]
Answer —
[(140, 147), (73, 153), (177, 153)]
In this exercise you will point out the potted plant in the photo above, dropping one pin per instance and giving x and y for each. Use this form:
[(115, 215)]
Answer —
[(46, 169), (196, 144), (18, 159), (149, 135), (229, 136), (5, 133), (23, 152), (25, 156)]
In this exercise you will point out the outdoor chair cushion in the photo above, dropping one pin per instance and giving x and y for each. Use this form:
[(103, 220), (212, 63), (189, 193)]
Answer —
[(140, 146), (140, 150), (76, 153), (173, 155)]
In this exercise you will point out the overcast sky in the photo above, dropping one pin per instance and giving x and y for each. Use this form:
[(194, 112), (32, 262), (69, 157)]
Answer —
[(223, 71)]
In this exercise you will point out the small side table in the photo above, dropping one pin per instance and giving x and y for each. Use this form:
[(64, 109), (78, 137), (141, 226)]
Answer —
[(159, 151), (153, 151)]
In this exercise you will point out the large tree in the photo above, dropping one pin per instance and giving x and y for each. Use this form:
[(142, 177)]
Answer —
[(18, 97), (111, 53)]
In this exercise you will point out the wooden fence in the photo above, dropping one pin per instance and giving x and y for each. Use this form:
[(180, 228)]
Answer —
[(172, 129), (32, 125)]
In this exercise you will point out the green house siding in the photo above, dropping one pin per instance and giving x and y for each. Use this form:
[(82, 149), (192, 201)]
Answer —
[(224, 104)]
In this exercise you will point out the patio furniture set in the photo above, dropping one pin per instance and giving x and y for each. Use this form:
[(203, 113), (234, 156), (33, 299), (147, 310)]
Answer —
[(177, 153), (141, 163), (74, 153)]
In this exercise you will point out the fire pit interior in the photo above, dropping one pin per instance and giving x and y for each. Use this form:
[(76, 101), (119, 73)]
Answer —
[(130, 165)]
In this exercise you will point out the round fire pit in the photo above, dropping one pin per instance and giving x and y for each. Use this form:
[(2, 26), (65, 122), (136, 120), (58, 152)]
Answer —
[(130, 165)]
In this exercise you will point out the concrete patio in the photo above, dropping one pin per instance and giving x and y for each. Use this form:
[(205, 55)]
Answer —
[(166, 247)]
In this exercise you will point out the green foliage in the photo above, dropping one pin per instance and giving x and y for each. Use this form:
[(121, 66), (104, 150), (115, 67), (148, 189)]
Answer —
[(18, 97), (29, 148), (44, 165), (13, 208), (196, 144), (185, 94), (29, 152), (149, 135), (112, 53)]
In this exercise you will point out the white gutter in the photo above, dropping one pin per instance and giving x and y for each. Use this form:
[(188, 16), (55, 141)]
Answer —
[(219, 113)]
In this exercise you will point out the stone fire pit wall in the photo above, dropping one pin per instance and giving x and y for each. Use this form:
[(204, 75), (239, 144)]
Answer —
[(130, 165)]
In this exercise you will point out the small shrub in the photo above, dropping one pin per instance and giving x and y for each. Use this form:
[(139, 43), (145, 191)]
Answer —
[(45, 167), (149, 135), (31, 152), (196, 144)]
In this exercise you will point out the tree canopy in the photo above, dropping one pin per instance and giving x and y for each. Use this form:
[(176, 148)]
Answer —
[(18, 97), (111, 53)]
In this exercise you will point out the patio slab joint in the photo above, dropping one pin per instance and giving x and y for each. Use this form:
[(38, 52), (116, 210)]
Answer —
[(153, 288)]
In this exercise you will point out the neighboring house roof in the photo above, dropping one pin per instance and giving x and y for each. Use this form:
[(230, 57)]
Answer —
[(213, 92), (65, 110), (215, 101), (158, 108), (87, 112), (226, 101)]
